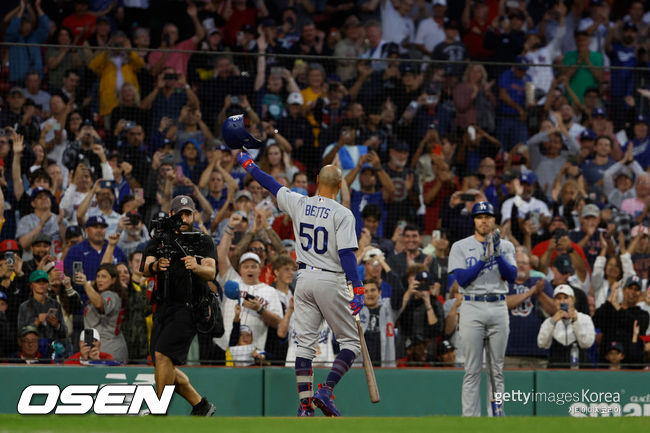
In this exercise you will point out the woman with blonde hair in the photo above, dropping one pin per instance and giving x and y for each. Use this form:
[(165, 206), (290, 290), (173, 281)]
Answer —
[(128, 109), (474, 94)]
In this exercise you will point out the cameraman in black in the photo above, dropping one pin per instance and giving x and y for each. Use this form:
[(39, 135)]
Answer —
[(174, 323)]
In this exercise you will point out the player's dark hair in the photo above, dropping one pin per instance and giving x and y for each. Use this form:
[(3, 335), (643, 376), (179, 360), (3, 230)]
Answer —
[(371, 211), (281, 260), (411, 228)]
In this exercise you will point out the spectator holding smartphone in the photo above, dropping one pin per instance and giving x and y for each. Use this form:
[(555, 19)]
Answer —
[(107, 302), (42, 311), (100, 202), (90, 345), (566, 332)]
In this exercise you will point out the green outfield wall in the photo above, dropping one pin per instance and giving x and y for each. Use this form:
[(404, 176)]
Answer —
[(271, 391)]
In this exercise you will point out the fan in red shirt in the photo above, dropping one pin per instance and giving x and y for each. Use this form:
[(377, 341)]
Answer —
[(475, 27), (560, 243), (242, 15), (88, 352), (81, 21)]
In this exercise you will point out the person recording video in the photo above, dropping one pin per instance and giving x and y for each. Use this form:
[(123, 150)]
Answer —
[(183, 261)]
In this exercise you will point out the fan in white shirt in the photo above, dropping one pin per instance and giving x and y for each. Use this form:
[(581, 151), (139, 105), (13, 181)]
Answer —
[(260, 303)]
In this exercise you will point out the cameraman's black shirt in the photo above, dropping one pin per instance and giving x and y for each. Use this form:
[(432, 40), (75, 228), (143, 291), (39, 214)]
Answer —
[(196, 244)]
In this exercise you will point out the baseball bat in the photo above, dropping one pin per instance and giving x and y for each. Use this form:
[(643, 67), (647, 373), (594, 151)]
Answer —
[(497, 408), (367, 364)]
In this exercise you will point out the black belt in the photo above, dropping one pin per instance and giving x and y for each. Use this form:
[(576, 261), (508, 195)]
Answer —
[(485, 298), (314, 268)]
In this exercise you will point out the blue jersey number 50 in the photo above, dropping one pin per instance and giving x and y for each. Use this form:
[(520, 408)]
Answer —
[(314, 237)]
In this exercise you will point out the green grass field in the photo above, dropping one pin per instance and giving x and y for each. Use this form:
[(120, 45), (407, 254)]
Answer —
[(439, 424)]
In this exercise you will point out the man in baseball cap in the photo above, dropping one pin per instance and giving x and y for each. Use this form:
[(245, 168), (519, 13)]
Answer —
[(263, 307), (614, 355), (42, 220), (617, 321), (184, 205), (185, 282), (589, 233), (566, 329), (91, 250), (41, 247), (28, 337), (564, 274), (90, 344)]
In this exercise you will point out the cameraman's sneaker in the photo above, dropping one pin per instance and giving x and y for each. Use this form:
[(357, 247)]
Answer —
[(324, 400), (203, 408), (305, 411)]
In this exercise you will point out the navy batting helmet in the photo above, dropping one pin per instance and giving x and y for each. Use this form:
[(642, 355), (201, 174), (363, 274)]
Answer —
[(483, 207), (236, 136)]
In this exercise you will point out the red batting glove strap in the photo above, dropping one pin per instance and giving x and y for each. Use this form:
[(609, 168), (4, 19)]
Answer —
[(359, 290), (246, 163)]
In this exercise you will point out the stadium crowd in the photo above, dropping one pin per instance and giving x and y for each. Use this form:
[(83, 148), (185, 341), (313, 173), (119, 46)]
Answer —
[(119, 109)]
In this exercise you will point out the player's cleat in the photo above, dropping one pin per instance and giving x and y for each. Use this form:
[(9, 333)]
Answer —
[(305, 410), (324, 400), (204, 408)]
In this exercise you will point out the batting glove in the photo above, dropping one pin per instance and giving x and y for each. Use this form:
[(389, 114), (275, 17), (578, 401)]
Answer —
[(246, 161), (357, 301), (496, 241)]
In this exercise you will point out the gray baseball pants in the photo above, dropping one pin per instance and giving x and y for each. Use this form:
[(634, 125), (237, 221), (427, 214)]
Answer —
[(320, 294), (477, 321)]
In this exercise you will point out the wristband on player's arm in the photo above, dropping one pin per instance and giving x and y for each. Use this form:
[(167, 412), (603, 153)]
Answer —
[(264, 179)]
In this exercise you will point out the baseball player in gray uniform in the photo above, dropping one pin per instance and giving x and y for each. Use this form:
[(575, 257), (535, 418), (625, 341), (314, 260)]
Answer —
[(325, 231), (482, 264)]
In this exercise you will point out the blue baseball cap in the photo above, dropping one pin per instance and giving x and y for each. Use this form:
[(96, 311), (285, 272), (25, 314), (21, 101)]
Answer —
[(36, 191), (3, 296), (400, 145), (523, 62), (96, 221), (588, 134), (529, 177), (633, 280), (641, 118), (615, 345), (598, 112)]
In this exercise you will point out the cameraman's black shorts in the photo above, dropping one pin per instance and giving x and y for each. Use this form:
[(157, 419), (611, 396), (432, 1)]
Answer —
[(172, 333)]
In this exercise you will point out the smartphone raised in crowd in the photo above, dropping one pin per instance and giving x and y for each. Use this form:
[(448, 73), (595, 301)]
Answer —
[(88, 337), (77, 267)]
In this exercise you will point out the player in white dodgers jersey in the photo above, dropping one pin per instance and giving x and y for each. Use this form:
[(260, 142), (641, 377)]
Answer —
[(327, 237), (483, 265)]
